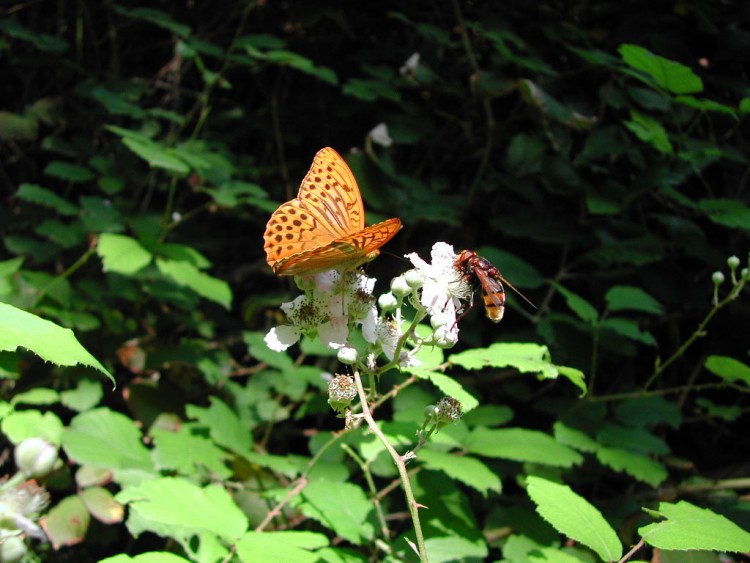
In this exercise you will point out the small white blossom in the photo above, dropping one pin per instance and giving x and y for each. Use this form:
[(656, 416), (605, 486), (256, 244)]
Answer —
[(410, 65), (444, 286), (379, 135)]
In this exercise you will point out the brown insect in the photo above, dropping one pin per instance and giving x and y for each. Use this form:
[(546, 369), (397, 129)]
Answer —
[(481, 272)]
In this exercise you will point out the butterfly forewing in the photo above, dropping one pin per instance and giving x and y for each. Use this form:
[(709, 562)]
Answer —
[(324, 227)]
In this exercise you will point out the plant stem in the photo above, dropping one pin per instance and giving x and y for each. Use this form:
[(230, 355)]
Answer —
[(400, 465), (65, 275)]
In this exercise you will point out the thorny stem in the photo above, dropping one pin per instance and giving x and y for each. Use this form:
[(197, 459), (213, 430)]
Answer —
[(364, 466), (633, 551), (400, 465)]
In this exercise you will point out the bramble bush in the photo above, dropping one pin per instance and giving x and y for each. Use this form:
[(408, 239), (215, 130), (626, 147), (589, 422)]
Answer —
[(167, 398)]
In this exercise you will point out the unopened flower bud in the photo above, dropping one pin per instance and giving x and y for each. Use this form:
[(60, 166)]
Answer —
[(431, 413), (745, 273), (341, 392), (400, 287), (733, 262), (387, 301), (414, 278), (35, 457), (12, 549), (717, 278), (347, 355), (441, 319)]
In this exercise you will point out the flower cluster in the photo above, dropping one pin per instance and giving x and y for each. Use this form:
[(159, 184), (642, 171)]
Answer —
[(334, 304)]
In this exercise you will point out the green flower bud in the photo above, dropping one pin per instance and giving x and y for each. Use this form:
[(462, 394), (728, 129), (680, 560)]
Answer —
[(733, 262), (35, 457), (387, 302), (431, 413), (400, 287), (12, 549), (414, 278), (717, 278), (745, 273), (347, 355)]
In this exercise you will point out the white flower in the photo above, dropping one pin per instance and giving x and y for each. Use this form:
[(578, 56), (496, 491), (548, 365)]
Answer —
[(379, 135), (388, 335), (444, 286), (410, 65)]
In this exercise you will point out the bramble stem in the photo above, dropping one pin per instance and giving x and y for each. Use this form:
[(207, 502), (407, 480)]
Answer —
[(400, 465)]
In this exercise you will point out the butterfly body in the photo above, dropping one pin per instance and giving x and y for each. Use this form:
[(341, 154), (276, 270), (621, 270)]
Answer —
[(489, 279), (323, 228)]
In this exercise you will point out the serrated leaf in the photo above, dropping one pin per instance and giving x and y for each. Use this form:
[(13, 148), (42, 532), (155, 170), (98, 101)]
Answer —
[(636, 439), (689, 527), (121, 254), (467, 470), (148, 557), (670, 75), (525, 357), (728, 369), (628, 328), (650, 131), (187, 275), (574, 438), (47, 340), (178, 508), (42, 196), (286, 546), (520, 444), (574, 516), (342, 507), (85, 396), (631, 298), (637, 465)]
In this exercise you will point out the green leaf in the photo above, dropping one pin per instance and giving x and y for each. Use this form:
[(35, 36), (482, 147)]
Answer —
[(728, 369), (223, 424), (637, 465), (631, 298), (41, 41), (185, 453), (342, 507), (371, 90), (585, 310), (467, 470), (629, 329), (670, 75), (524, 154), (727, 212), (148, 557), (574, 516), (177, 508), (650, 131), (154, 153), (43, 196), (67, 522), (38, 396), (520, 444), (157, 17), (745, 105), (703, 104), (47, 340), (186, 275), (574, 438), (68, 171), (689, 527), (19, 425), (449, 387), (287, 546), (85, 396), (525, 357), (519, 272), (648, 411), (105, 438), (18, 127), (636, 439), (121, 254)]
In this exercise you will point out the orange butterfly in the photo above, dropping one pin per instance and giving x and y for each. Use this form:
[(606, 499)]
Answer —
[(469, 263), (323, 228)]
